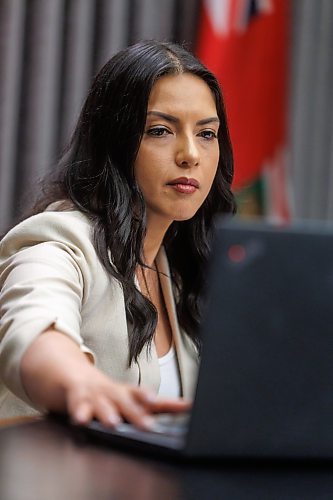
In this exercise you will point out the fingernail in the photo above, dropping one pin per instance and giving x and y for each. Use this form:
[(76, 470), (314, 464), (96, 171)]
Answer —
[(114, 420), (80, 416), (148, 422)]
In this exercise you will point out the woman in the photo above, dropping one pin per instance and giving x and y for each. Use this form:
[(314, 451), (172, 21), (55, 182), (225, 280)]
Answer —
[(93, 320)]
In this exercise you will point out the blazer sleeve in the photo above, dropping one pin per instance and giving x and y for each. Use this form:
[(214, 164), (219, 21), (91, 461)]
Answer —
[(45, 277)]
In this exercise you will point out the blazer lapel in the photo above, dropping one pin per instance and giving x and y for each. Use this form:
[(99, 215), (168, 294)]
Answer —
[(149, 370), (187, 365)]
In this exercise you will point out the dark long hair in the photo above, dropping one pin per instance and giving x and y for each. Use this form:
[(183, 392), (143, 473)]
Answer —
[(96, 174)]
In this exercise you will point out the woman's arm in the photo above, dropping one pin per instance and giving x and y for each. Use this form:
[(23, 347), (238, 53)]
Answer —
[(58, 376)]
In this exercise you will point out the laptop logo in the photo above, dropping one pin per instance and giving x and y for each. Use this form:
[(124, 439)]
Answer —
[(236, 253), (252, 250)]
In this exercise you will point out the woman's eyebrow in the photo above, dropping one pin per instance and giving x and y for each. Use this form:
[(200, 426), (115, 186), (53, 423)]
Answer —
[(165, 116), (206, 121), (173, 119)]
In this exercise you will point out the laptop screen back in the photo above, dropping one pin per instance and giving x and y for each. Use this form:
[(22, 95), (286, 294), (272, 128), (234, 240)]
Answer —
[(265, 386)]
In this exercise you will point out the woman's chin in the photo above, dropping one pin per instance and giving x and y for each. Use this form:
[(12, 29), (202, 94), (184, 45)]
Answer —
[(184, 215)]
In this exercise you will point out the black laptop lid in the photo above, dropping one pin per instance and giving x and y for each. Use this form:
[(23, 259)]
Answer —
[(265, 387)]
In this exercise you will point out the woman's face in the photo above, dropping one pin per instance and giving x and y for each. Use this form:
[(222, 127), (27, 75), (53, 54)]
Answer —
[(179, 151)]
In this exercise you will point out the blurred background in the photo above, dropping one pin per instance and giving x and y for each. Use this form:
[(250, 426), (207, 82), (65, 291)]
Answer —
[(273, 58)]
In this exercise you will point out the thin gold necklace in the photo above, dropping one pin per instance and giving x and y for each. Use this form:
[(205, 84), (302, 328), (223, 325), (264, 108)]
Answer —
[(146, 282)]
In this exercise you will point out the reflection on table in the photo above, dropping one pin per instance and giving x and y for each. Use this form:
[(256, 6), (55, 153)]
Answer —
[(46, 460)]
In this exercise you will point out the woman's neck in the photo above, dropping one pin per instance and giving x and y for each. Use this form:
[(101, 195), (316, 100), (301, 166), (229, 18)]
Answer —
[(156, 230)]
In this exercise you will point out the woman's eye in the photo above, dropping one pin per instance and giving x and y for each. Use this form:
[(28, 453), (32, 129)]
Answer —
[(158, 131), (208, 134)]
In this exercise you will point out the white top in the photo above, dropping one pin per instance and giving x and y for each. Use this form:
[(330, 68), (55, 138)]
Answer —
[(169, 371)]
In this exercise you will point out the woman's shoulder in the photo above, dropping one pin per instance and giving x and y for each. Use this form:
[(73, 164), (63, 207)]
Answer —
[(69, 227)]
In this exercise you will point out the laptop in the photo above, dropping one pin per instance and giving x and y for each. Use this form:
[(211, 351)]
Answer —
[(265, 384)]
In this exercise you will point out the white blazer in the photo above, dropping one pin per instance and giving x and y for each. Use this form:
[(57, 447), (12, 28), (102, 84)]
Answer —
[(50, 275)]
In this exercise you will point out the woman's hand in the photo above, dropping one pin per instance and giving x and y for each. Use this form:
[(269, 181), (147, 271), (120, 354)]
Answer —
[(59, 377), (111, 402)]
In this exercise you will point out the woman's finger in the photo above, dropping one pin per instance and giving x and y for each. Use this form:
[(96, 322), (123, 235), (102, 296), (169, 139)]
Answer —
[(155, 404), (81, 413), (134, 411), (144, 397), (107, 412), (79, 405), (169, 405)]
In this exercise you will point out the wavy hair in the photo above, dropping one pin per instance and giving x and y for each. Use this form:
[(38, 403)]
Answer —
[(96, 175)]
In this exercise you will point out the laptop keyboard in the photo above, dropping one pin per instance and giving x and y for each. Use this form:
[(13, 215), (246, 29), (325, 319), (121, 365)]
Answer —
[(166, 425)]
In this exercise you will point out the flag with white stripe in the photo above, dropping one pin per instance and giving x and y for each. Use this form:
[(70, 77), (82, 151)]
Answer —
[(245, 43)]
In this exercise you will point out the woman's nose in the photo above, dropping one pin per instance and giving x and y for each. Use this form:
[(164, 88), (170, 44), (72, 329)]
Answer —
[(187, 153)]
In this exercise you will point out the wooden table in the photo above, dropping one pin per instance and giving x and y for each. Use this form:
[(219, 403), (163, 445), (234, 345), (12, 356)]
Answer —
[(43, 460)]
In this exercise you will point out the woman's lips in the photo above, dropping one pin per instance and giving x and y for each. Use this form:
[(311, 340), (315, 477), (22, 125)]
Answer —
[(184, 185)]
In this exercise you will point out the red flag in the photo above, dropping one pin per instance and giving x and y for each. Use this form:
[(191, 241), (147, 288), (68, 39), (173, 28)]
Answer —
[(245, 42)]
